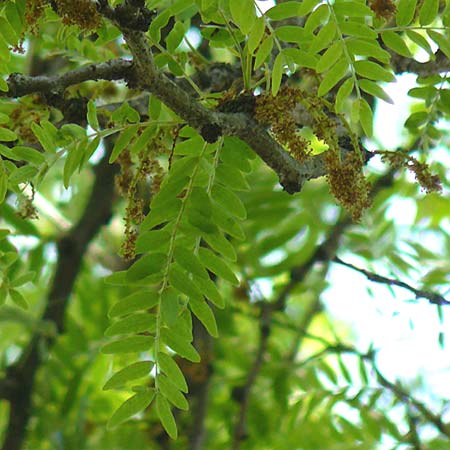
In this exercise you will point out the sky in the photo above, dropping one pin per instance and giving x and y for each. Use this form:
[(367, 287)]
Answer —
[(405, 332)]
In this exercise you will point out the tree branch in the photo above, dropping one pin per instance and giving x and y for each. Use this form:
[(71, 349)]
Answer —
[(20, 85), (401, 64), (433, 297), (211, 125), (403, 396), (71, 248), (406, 397)]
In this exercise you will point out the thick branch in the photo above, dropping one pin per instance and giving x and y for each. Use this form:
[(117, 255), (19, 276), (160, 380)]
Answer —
[(20, 85), (401, 64), (20, 377), (211, 125), (433, 297)]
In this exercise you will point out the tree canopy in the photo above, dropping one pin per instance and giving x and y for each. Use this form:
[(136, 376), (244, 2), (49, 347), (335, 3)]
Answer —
[(178, 180)]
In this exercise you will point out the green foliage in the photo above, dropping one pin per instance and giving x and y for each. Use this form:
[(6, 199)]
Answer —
[(211, 246)]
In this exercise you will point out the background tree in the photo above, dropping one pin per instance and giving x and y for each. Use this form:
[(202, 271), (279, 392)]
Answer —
[(210, 143)]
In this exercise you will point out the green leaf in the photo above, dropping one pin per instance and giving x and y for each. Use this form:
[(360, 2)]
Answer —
[(428, 12), (134, 323), (159, 22), (166, 416), (18, 298), (149, 264), (333, 76), (374, 89), (217, 265), (171, 392), (370, 48), (330, 56), (92, 115), (405, 12), (228, 200), (8, 32), (357, 29), (366, 117), (143, 299), (132, 406), (352, 9), (28, 154), (363, 372), (343, 94), (306, 6), (396, 43), (170, 306), (152, 240), (22, 279), (301, 58), (232, 177), (161, 213), (227, 223), (324, 37), (417, 119), (256, 34), (210, 290), (424, 92), (243, 13), (122, 141), (45, 136), (176, 35), (179, 344), (3, 181), (441, 40), (5, 54), (263, 52), (373, 71), (285, 10), (170, 188), (345, 372), (73, 160), (420, 41), (277, 73), (190, 262), (133, 344), (22, 174), (203, 312), (191, 146), (171, 369), (132, 372), (317, 17), (144, 139), (199, 210), (292, 33), (181, 282), (221, 245), (7, 135), (90, 149)]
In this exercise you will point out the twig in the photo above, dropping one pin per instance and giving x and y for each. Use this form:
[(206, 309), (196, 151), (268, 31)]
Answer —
[(433, 297), (405, 397)]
